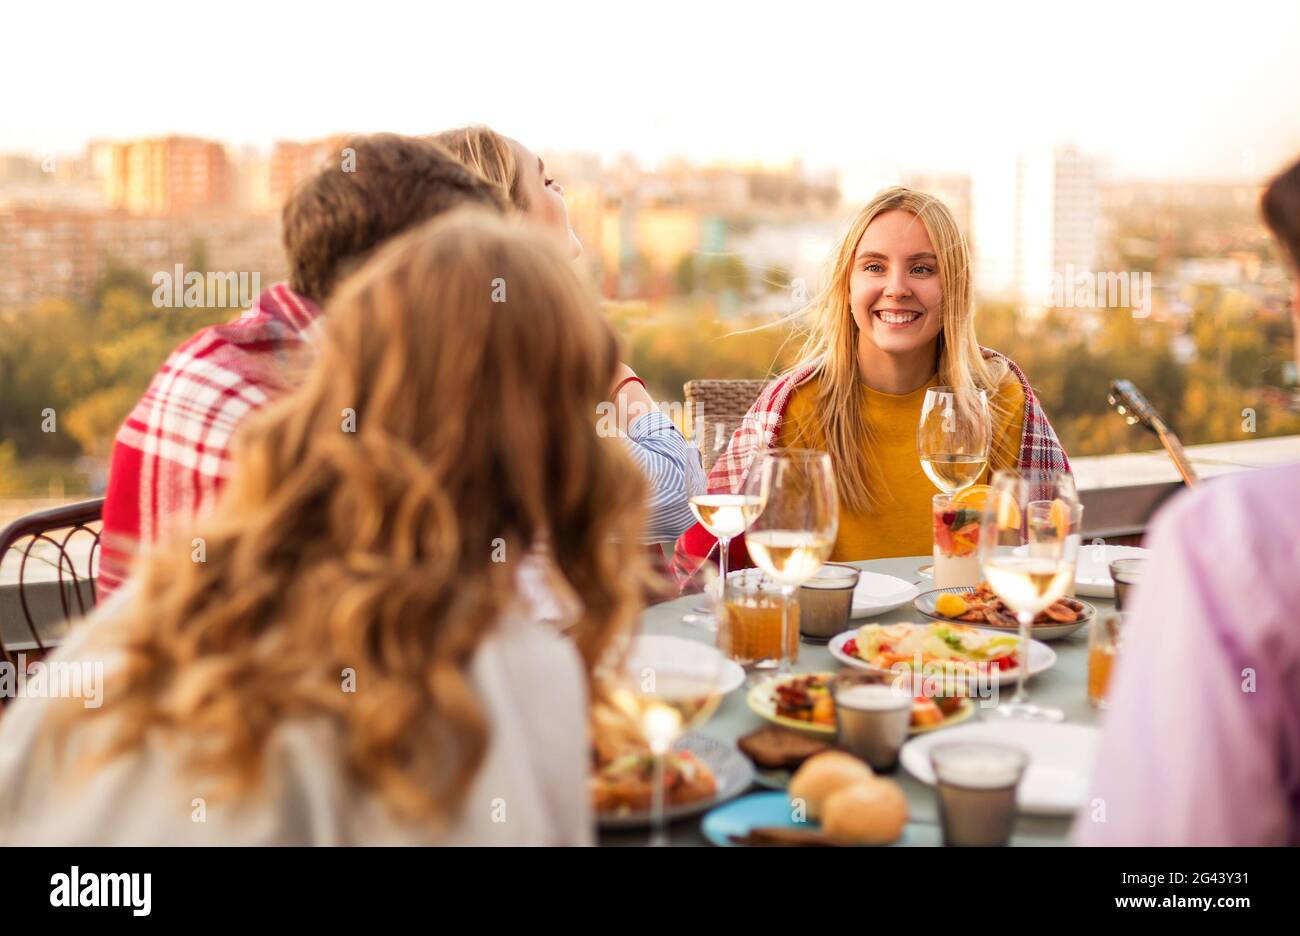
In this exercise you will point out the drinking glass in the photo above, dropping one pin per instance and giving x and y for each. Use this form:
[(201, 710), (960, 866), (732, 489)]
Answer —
[(1103, 648), (953, 440), (750, 631), (665, 686), (872, 718), (956, 528), (1029, 570), (795, 528), (976, 787), (725, 516), (1125, 573)]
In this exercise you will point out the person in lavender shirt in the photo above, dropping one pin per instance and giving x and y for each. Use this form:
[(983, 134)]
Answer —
[(1201, 744)]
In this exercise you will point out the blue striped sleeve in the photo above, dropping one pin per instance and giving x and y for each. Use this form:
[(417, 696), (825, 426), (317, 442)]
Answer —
[(674, 471)]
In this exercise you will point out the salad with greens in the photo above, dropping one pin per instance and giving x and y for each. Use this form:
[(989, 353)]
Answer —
[(887, 646)]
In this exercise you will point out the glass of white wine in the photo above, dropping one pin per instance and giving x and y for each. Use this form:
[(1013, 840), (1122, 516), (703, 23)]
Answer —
[(664, 686), (953, 441), (1029, 547), (794, 532), (725, 516)]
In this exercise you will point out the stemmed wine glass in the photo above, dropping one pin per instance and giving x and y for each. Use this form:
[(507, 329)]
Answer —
[(952, 442), (1028, 548), (664, 686), (725, 516), (797, 521)]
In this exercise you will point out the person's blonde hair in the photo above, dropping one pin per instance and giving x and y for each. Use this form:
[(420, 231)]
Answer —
[(448, 422), (490, 155), (832, 342)]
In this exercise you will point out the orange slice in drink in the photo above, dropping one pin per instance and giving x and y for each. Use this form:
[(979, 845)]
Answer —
[(1008, 513), (1060, 517), (973, 497)]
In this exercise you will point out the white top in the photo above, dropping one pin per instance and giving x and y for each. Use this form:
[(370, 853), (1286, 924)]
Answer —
[(530, 790)]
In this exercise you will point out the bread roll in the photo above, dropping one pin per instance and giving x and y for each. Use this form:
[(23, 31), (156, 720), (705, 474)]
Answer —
[(822, 775), (872, 812)]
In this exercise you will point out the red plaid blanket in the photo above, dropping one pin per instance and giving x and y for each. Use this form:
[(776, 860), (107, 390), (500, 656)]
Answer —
[(761, 427), (172, 454)]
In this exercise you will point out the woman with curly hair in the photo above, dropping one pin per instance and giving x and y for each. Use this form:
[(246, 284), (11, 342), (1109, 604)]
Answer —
[(354, 659)]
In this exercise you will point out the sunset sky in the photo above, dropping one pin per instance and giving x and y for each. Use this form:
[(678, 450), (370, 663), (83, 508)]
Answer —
[(1159, 90)]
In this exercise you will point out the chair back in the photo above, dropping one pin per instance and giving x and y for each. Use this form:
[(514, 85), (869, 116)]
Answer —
[(48, 563), (715, 409)]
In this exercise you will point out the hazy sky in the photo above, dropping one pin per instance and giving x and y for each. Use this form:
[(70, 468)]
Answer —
[(1169, 90)]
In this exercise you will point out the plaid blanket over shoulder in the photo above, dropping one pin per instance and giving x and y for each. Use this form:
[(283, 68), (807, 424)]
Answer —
[(172, 454), (1039, 449)]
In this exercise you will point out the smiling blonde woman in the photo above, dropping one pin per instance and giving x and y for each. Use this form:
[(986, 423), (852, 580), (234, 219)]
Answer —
[(894, 320)]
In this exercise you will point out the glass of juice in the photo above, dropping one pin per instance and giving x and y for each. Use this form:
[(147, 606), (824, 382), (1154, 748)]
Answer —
[(1103, 647), (751, 622), (956, 541)]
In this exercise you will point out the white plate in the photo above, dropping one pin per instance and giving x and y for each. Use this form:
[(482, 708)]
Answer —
[(1041, 656), (878, 594), (1060, 760), (661, 647), (733, 771), (874, 595), (925, 604), (1092, 576)]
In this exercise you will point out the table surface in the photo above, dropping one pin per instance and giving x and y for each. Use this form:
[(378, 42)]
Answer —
[(1062, 686)]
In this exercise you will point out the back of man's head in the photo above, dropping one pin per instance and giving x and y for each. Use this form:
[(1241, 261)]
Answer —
[(377, 187)]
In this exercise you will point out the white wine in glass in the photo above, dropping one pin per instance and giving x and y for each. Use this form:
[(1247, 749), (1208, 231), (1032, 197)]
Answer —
[(677, 702), (789, 557), (664, 686), (1028, 581), (795, 531), (953, 441), (952, 473), (725, 516), (1029, 571)]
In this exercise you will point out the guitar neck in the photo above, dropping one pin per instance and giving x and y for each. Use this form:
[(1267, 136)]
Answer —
[(1175, 449)]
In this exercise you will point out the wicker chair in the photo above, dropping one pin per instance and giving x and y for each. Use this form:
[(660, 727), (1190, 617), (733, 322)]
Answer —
[(715, 409), (34, 606)]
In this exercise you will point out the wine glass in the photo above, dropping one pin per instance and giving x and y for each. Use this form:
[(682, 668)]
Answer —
[(663, 686), (952, 441), (725, 516), (1029, 547), (797, 521)]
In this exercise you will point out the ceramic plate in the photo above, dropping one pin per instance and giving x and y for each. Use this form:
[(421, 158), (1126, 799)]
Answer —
[(732, 770), (1060, 760), (762, 702), (662, 647), (763, 810), (874, 595), (1041, 656), (925, 604)]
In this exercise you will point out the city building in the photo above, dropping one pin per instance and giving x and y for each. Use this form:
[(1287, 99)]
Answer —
[(1032, 216), (164, 177)]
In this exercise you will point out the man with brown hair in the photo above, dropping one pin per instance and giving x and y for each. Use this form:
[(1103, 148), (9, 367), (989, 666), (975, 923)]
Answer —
[(172, 454)]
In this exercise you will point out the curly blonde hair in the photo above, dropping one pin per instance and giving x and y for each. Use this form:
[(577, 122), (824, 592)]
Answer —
[(471, 359)]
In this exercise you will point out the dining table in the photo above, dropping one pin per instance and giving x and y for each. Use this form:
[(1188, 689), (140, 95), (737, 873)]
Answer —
[(1063, 686)]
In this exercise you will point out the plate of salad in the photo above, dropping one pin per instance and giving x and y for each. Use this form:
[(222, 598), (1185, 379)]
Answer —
[(942, 648)]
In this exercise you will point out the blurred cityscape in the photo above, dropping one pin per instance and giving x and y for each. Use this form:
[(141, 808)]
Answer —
[(1079, 276)]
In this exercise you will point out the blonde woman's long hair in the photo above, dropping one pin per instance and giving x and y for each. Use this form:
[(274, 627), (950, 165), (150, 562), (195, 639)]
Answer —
[(832, 342), (490, 155), (448, 423)]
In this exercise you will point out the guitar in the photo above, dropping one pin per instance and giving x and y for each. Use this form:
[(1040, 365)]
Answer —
[(1133, 406)]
